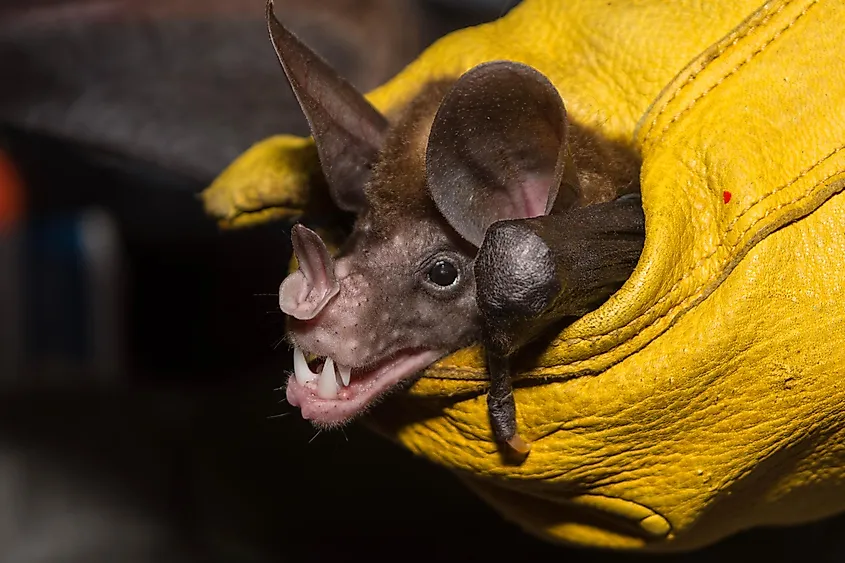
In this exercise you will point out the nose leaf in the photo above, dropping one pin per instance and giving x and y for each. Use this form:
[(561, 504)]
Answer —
[(306, 292)]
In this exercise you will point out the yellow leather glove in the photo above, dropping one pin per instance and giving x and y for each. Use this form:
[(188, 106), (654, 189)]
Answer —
[(705, 397)]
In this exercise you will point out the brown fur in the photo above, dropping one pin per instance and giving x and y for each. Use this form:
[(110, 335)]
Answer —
[(397, 190), (606, 169)]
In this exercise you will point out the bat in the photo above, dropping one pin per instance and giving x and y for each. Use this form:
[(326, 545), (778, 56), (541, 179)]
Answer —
[(482, 214)]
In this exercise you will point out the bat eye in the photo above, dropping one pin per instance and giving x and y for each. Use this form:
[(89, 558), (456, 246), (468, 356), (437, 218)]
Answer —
[(443, 273)]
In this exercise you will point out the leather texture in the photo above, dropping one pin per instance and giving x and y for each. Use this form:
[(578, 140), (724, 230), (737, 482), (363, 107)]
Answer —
[(705, 397)]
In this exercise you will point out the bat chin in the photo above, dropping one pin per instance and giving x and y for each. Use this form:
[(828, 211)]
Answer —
[(336, 394)]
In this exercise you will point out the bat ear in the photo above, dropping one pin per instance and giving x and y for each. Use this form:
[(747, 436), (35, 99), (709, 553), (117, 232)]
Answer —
[(348, 131), (498, 149)]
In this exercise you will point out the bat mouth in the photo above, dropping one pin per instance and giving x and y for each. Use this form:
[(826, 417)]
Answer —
[(335, 394)]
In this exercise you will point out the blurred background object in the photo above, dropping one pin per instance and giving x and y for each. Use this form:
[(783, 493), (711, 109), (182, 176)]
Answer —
[(11, 314), (140, 347), (184, 83)]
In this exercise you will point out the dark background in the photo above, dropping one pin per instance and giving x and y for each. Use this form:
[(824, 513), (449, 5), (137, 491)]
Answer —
[(176, 453)]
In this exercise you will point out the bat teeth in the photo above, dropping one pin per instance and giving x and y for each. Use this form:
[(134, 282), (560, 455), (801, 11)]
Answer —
[(330, 379), (345, 373), (327, 387), (301, 371)]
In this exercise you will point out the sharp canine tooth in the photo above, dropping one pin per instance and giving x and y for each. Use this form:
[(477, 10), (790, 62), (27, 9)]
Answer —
[(345, 373), (301, 370), (327, 384)]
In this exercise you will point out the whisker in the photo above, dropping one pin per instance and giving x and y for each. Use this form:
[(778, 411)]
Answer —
[(278, 342), (278, 415), (344, 434), (265, 294), (315, 436)]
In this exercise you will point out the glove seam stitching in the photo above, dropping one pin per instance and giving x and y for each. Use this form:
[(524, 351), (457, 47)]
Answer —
[(709, 60), (776, 191), (717, 55), (709, 255), (736, 69)]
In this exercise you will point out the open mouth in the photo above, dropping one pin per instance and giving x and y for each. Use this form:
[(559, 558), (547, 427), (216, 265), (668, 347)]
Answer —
[(335, 394)]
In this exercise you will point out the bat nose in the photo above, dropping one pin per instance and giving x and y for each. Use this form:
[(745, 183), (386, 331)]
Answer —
[(306, 292)]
